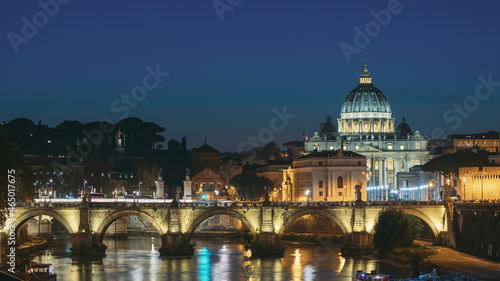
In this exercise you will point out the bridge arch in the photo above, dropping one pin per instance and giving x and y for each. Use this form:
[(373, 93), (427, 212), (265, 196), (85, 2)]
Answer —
[(103, 227), (24, 217), (219, 211), (419, 214), (291, 218)]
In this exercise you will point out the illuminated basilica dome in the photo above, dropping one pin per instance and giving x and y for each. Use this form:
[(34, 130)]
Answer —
[(365, 110)]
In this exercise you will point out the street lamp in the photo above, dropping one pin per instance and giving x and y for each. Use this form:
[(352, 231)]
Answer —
[(140, 187), (51, 186), (343, 193), (307, 194)]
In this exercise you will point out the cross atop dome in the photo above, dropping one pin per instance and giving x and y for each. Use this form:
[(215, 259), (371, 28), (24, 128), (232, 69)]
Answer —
[(365, 77)]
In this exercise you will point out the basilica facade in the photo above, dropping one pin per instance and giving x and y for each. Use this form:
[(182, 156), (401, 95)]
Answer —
[(366, 127)]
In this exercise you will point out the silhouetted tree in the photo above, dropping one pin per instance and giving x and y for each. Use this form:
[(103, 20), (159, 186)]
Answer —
[(183, 144), (147, 174), (173, 145), (449, 164), (250, 187), (394, 229)]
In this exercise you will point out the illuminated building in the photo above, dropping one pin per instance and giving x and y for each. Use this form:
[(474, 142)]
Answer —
[(325, 176), (488, 141), (366, 127), (480, 183)]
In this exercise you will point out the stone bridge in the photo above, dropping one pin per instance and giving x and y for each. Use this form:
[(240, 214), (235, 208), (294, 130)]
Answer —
[(87, 222)]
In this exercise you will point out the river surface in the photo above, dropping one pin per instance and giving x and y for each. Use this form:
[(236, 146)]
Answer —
[(137, 259)]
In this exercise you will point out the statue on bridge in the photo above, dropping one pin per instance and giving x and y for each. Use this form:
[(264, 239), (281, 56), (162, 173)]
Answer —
[(358, 193)]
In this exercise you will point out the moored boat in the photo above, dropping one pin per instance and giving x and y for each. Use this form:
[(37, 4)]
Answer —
[(39, 272)]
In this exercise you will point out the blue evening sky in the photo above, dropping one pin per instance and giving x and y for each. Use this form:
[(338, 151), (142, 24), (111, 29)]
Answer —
[(226, 76)]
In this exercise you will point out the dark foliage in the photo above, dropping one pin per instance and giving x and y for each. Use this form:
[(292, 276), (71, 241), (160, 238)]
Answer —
[(250, 187)]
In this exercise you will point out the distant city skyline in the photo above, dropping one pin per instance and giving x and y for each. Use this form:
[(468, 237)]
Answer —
[(227, 73)]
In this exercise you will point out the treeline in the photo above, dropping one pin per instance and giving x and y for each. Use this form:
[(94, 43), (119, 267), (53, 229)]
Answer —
[(28, 137)]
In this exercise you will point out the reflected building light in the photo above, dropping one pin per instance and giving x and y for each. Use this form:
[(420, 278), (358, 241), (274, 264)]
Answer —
[(222, 266), (309, 272), (204, 266), (297, 266), (341, 264)]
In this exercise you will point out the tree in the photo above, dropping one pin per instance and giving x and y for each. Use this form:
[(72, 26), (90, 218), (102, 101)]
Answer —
[(394, 229), (138, 133), (251, 187), (173, 145), (183, 144), (449, 164), (147, 174)]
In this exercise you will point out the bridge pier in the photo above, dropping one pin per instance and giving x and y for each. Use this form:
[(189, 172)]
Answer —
[(176, 244), (87, 245), (266, 244), (357, 243)]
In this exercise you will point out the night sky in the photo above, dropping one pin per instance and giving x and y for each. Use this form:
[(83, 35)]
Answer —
[(228, 70)]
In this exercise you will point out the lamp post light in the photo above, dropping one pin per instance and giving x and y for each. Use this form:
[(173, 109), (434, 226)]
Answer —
[(51, 186), (307, 194), (140, 187), (343, 193)]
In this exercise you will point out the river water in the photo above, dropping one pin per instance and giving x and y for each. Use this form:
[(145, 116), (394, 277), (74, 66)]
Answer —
[(137, 259)]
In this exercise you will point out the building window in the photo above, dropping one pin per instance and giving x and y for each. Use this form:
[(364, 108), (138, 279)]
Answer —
[(340, 193), (417, 161), (417, 145), (211, 186), (321, 193), (357, 146), (196, 186), (359, 163), (389, 146), (331, 147), (376, 165), (320, 163), (390, 164), (402, 147), (340, 182), (320, 184)]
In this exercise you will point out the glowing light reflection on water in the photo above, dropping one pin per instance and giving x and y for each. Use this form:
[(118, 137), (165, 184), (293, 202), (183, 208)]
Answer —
[(137, 259)]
